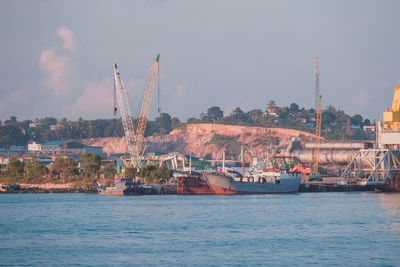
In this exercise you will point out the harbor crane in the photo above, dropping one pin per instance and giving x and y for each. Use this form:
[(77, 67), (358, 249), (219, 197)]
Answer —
[(134, 139), (315, 174)]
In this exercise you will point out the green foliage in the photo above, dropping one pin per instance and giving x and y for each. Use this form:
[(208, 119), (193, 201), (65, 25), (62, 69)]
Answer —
[(335, 124), (110, 170), (175, 123), (357, 120), (130, 172), (90, 163), (15, 169), (230, 143), (35, 169), (155, 174), (267, 140), (64, 167), (214, 114), (294, 108), (164, 123), (193, 120), (47, 121)]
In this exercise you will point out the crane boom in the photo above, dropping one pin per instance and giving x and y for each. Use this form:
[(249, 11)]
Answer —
[(317, 137), (122, 98), (318, 107), (144, 110)]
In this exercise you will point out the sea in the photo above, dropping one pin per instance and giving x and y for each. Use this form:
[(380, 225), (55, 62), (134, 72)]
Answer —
[(303, 229)]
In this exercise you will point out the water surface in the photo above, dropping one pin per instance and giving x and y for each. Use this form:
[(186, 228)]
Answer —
[(356, 229)]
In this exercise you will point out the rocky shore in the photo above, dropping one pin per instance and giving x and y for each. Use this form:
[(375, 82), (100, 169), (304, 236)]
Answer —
[(45, 188)]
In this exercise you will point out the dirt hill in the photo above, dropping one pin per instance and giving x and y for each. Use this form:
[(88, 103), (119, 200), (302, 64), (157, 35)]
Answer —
[(197, 140)]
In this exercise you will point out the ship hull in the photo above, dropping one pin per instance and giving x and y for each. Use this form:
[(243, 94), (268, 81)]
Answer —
[(391, 185), (225, 185), (193, 184), (111, 193)]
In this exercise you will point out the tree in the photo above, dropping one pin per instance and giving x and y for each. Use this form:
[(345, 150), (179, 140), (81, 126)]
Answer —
[(239, 115), (110, 170), (35, 169), (64, 167), (130, 172), (175, 123), (367, 122), (256, 115), (271, 106), (15, 168), (155, 174), (294, 108), (47, 121), (164, 123), (214, 114), (90, 163), (356, 120), (193, 120), (11, 120)]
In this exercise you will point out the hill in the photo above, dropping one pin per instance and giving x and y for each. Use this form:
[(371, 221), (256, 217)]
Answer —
[(209, 140)]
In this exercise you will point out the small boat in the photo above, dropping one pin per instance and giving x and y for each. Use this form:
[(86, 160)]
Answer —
[(265, 181), (125, 187)]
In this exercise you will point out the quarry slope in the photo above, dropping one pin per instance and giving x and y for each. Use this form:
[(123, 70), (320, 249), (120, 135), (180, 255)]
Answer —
[(195, 139)]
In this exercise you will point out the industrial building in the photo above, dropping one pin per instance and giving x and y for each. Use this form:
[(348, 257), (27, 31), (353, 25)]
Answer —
[(63, 148)]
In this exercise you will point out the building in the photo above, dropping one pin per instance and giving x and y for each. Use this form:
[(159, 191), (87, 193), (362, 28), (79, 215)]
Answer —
[(56, 127), (69, 148), (388, 131), (369, 128), (34, 147), (34, 124)]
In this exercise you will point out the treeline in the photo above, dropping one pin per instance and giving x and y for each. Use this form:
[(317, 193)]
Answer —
[(66, 170), (63, 170), (14, 132), (335, 124)]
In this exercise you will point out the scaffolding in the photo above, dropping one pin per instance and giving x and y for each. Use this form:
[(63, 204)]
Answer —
[(372, 167)]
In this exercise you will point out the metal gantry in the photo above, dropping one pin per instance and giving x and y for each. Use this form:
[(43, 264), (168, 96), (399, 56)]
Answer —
[(134, 141), (144, 110), (372, 167), (122, 98)]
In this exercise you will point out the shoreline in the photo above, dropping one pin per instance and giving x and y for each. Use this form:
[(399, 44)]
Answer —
[(45, 188)]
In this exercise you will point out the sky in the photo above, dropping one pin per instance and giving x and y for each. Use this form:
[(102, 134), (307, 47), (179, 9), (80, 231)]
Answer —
[(56, 57)]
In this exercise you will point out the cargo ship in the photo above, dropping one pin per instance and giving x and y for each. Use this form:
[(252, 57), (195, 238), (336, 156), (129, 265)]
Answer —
[(191, 183), (125, 187), (266, 181)]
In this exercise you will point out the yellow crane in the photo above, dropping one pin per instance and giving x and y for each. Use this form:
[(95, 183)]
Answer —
[(315, 174), (134, 140), (144, 110)]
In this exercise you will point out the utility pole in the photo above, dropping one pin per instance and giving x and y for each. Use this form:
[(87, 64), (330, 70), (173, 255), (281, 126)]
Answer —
[(242, 152)]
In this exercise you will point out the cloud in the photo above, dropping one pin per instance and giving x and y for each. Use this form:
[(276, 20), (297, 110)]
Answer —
[(69, 38), (96, 100), (56, 65), (56, 68), (12, 102)]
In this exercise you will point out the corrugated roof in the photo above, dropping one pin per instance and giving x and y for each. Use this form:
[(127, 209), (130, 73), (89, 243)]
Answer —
[(56, 143)]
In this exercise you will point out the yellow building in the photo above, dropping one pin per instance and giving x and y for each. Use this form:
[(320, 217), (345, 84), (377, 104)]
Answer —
[(391, 117)]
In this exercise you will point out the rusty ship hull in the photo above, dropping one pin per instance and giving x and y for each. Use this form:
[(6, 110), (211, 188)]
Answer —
[(193, 184)]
